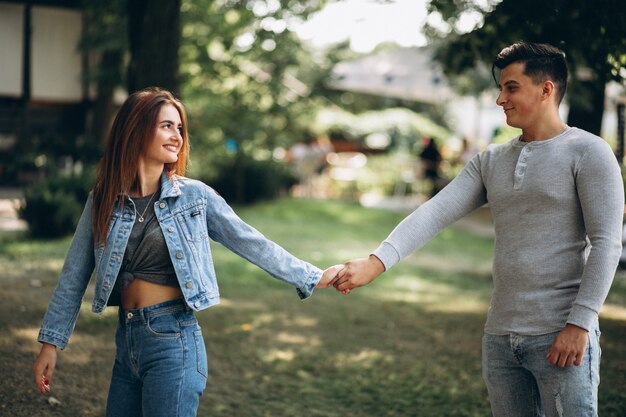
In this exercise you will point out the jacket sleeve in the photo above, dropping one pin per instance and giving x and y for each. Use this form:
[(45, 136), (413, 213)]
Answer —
[(60, 318), (227, 228)]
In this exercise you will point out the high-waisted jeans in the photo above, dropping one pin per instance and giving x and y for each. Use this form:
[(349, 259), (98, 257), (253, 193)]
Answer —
[(522, 383), (160, 366)]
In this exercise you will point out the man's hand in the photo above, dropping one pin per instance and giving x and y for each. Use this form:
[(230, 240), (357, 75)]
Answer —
[(358, 272), (569, 347), (329, 276)]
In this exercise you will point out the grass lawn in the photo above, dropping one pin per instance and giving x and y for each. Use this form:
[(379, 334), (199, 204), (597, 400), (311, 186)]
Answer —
[(407, 345)]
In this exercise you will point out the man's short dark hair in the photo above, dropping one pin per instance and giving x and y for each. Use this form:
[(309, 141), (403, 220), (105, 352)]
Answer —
[(542, 62)]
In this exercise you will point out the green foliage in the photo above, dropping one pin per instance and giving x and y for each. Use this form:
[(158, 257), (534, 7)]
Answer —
[(240, 71), (52, 207), (105, 30), (505, 134), (590, 33)]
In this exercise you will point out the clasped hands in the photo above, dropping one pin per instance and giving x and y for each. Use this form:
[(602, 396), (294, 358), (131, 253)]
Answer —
[(352, 274), (567, 349)]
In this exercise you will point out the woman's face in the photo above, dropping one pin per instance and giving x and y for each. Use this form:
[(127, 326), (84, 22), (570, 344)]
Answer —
[(167, 140)]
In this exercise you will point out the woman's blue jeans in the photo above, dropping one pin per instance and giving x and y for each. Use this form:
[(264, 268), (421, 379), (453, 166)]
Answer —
[(160, 366), (522, 383)]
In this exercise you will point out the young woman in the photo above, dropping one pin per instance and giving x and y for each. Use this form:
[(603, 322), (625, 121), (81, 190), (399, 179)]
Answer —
[(145, 231)]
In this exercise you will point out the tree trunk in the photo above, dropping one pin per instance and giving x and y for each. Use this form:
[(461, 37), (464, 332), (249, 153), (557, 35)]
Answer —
[(586, 100), (154, 34), (103, 108)]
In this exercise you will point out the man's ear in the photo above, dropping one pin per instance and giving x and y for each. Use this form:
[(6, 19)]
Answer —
[(548, 89)]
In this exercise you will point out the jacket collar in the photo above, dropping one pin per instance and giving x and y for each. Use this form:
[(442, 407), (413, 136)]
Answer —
[(170, 186)]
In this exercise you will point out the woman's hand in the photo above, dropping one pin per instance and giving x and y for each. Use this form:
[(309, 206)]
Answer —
[(44, 367), (329, 276)]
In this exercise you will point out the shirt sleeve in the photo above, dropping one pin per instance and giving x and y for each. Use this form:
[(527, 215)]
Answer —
[(601, 194), (463, 195)]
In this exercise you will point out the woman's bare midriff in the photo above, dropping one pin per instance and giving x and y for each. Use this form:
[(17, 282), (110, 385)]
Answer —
[(142, 293)]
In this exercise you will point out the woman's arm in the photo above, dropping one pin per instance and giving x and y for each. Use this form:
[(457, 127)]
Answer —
[(225, 227), (60, 318)]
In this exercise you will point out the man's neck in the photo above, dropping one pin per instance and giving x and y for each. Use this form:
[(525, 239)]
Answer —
[(544, 129)]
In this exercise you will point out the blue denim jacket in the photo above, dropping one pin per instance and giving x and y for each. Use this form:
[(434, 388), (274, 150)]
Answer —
[(189, 213)]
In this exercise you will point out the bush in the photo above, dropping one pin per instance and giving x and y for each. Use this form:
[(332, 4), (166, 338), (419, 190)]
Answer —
[(246, 180), (52, 207)]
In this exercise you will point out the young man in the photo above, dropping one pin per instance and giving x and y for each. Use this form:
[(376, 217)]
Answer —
[(557, 200)]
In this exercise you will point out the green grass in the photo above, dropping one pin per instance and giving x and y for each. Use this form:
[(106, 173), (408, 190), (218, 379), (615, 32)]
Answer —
[(407, 345)]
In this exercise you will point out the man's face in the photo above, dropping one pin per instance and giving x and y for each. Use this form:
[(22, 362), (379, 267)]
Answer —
[(520, 98)]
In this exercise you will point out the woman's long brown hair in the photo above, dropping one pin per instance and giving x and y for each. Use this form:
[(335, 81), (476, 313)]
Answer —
[(133, 130)]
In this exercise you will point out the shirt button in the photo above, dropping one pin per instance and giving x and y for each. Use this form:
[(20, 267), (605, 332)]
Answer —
[(179, 255), (189, 284), (162, 205), (170, 229)]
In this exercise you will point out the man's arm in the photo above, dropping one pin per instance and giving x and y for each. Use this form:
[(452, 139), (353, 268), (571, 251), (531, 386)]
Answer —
[(463, 195), (601, 193)]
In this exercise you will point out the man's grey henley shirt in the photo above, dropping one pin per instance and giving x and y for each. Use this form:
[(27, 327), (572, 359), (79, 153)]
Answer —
[(557, 207)]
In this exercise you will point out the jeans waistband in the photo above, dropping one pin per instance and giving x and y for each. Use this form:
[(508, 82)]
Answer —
[(166, 307)]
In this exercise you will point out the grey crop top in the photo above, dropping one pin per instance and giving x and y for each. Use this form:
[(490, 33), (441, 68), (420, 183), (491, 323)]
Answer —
[(146, 256)]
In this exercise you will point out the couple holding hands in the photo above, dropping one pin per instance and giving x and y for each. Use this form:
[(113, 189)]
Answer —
[(555, 194)]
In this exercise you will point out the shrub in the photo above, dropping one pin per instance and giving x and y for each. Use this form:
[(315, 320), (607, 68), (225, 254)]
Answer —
[(52, 207), (246, 180)]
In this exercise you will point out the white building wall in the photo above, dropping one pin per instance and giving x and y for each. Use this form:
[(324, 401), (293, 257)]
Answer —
[(55, 58), (11, 49)]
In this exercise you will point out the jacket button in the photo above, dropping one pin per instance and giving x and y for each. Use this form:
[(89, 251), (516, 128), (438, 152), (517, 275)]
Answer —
[(162, 205), (170, 229), (179, 255), (189, 284)]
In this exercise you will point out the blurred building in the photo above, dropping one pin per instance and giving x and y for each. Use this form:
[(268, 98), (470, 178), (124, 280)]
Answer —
[(43, 89), (403, 73), (412, 74)]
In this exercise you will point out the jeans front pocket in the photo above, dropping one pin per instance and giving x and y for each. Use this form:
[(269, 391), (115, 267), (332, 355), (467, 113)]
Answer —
[(165, 325)]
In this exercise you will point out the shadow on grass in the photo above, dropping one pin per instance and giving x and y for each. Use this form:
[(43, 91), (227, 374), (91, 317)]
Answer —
[(407, 345)]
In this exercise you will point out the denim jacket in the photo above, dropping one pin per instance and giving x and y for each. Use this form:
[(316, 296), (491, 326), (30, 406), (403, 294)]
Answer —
[(189, 213)]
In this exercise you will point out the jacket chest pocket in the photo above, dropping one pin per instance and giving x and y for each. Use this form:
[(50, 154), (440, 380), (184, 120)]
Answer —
[(193, 224)]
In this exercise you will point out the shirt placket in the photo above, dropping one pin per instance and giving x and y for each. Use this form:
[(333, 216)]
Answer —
[(521, 167)]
